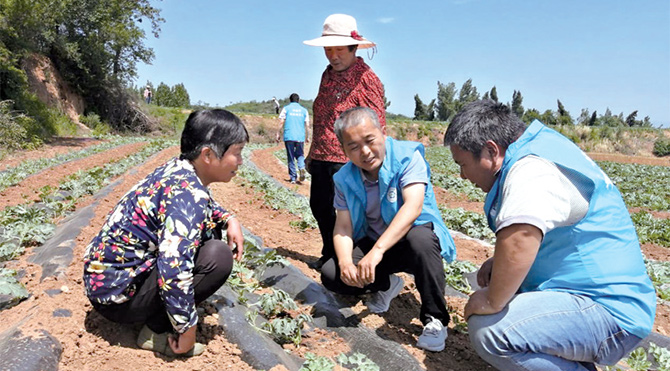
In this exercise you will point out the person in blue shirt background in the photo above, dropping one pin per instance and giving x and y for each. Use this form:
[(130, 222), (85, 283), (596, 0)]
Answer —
[(567, 285), (294, 120), (387, 221)]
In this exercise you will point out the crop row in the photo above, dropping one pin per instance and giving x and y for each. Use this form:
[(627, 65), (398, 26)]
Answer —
[(446, 174), (32, 224), (14, 175), (644, 186), (274, 312)]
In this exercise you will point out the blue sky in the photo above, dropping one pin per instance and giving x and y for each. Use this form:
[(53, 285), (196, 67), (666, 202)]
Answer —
[(594, 54)]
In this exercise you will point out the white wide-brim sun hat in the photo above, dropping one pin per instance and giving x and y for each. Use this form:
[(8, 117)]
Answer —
[(340, 30)]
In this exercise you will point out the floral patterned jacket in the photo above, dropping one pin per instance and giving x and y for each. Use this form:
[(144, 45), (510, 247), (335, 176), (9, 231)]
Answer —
[(158, 224)]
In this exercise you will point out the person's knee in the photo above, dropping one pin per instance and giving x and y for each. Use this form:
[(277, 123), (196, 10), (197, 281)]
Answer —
[(329, 276), (423, 242), (484, 337), (215, 257)]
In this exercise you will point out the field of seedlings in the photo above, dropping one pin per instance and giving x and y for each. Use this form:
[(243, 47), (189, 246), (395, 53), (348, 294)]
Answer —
[(272, 313)]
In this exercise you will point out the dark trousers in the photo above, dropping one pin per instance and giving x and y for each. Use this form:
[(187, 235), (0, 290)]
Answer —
[(294, 153), (418, 253), (322, 192), (213, 264)]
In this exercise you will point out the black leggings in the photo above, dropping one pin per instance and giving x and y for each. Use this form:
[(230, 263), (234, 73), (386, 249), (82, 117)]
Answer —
[(213, 264), (322, 193)]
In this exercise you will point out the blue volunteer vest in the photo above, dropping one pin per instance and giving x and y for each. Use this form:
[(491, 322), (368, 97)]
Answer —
[(599, 257), (398, 155), (294, 127)]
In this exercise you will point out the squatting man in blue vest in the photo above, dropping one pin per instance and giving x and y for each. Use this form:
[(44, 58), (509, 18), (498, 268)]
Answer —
[(567, 286), (294, 121), (387, 222)]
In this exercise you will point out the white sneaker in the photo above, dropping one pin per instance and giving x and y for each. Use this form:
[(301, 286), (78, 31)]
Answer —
[(380, 301), (433, 337)]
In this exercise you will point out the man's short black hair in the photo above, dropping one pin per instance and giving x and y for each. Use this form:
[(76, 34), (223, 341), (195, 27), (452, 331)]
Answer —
[(294, 98)]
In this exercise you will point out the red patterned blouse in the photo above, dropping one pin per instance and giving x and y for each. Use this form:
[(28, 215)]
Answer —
[(356, 86)]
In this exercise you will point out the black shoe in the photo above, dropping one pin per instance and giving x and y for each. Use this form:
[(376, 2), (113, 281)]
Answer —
[(317, 264)]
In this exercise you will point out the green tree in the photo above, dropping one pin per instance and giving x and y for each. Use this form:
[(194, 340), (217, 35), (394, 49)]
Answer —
[(445, 106), (594, 119), (94, 44), (180, 96), (387, 103), (630, 119), (608, 119), (531, 114), (467, 94), (564, 117), (517, 103), (584, 117), (419, 109), (163, 96), (548, 117), (430, 110), (494, 93)]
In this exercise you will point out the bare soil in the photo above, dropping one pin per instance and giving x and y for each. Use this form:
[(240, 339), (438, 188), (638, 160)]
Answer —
[(91, 342)]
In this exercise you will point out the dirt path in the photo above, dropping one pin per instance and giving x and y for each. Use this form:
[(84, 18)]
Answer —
[(642, 160)]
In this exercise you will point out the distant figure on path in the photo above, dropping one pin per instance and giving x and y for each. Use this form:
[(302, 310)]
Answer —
[(388, 222), (147, 94), (347, 82), (294, 120), (276, 103), (160, 254), (567, 285)]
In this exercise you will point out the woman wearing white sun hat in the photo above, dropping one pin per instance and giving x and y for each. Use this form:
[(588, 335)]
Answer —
[(347, 82)]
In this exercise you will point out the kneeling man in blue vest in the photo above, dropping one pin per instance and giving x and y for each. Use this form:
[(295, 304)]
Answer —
[(387, 222), (567, 287)]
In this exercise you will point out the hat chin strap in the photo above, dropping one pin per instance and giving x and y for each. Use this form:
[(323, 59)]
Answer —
[(371, 52)]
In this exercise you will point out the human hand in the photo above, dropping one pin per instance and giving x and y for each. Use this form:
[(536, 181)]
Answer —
[(235, 238), (277, 137), (478, 304), (484, 273), (182, 343), (368, 265), (349, 275)]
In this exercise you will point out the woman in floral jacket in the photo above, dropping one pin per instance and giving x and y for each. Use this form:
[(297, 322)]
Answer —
[(160, 252)]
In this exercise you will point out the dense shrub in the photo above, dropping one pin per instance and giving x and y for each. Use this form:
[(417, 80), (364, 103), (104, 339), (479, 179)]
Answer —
[(12, 133), (662, 147), (93, 122), (169, 120)]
